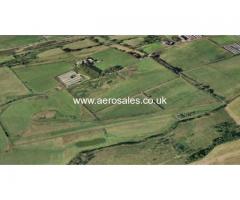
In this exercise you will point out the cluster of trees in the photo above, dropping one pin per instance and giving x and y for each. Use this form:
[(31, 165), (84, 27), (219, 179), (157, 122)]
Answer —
[(113, 69), (228, 131), (152, 38)]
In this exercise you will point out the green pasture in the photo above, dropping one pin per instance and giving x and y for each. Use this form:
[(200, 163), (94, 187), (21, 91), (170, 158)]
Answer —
[(41, 77), (181, 96), (112, 57), (225, 39), (222, 76), (190, 55), (19, 116), (7, 42), (10, 86)]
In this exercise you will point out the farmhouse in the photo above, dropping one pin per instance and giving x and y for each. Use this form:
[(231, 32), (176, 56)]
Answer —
[(70, 78), (190, 37)]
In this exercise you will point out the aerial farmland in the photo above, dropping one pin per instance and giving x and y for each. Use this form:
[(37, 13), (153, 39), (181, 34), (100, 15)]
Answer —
[(43, 80)]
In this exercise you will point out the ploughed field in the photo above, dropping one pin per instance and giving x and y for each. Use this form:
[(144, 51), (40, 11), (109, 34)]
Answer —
[(40, 124)]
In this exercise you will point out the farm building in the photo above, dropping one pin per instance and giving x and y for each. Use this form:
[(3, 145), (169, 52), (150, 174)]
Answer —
[(70, 78), (233, 48)]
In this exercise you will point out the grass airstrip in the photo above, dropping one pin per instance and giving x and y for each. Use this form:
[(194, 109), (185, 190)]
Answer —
[(40, 124)]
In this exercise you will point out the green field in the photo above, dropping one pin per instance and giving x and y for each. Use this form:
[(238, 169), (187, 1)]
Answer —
[(148, 74), (128, 110), (174, 148), (7, 42), (153, 47), (80, 44), (181, 96), (10, 86), (41, 78), (190, 55), (41, 124), (135, 42), (112, 57), (226, 81), (225, 39), (4, 142), (5, 58), (51, 52), (58, 105)]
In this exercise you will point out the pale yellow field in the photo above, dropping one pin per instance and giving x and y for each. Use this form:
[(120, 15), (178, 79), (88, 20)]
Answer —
[(224, 154), (233, 110)]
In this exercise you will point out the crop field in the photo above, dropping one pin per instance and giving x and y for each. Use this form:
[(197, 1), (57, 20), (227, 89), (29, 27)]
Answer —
[(193, 85)]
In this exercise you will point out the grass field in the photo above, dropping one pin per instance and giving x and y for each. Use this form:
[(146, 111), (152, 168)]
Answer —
[(193, 54), (56, 106), (112, 57), (225, 39), (136, 130), (121, 37), (41, 78), (40, 124), (7, 42), (172, 148), (233, 110), (226, 81), (80, 44), (4, 142), (128, 110), (51, 52), (153, 47), (181, 96), (148, 74), (10, 86), (5, 58), (135, 42), (199, 133), (153, 151), (39, 153)]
